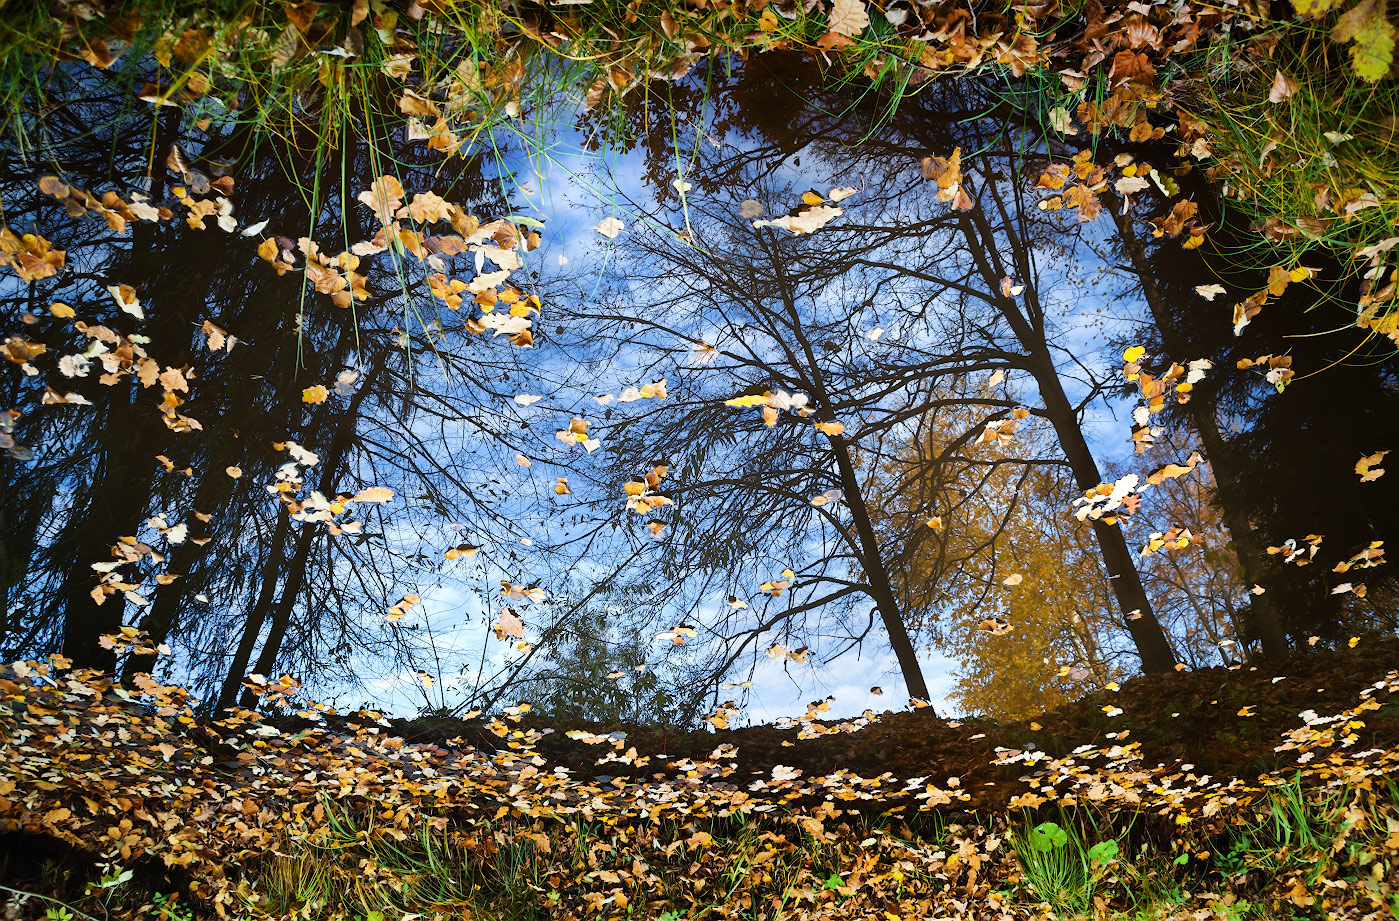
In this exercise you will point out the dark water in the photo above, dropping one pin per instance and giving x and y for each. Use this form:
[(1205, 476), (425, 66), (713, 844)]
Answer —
[(934, 374)]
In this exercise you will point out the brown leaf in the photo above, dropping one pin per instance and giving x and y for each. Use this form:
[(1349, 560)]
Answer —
[(848, 17), (1283, 87)]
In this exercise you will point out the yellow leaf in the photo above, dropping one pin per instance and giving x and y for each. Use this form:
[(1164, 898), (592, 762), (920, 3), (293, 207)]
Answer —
[(750, 400), (1134, 354), (812, 198), (315, 394), (830, 428), (1368, 467)]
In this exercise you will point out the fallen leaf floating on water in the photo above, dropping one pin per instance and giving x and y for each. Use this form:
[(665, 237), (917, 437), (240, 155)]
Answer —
[(1279, 371), (1172, 470), (678, 635), (1368, 467), (527, 399), (577, 433), (644, 392), (404, 605), (521, 592), (830, 428), (317, 393), (126, 299), (1174, 539), (218, 337), (643, 492), (808, 220), (1013, 579), (841, 193), (1369, 557), (750, 208), (508, 624), (31, 256), (384, 197), (1302, 554), (1209, 292), (373, 494), (947, 173), (609, 227), (1100, 502)]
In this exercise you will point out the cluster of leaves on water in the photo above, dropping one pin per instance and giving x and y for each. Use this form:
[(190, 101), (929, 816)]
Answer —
[(246, 807)]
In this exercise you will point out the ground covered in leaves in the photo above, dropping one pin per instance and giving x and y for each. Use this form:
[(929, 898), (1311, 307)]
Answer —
[(1241, 792), (1224, 721)]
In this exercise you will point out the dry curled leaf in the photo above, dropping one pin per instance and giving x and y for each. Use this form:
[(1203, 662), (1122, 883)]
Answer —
[(848, 17)]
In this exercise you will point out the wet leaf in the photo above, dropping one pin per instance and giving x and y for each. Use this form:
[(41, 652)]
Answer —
[(1368, 467)]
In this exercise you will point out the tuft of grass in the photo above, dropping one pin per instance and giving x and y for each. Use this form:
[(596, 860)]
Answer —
[(1316, 167)]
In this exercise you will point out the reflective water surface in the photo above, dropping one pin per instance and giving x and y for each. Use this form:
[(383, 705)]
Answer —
[(767, 394)]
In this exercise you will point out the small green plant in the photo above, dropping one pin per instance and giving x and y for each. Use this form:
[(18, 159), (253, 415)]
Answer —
[(114, 876), (60, 913), (1061, 867), (167, 908), (1047, 837)]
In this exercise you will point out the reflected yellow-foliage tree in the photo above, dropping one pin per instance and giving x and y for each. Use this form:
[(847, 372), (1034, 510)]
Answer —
[(1026, 618), (1003, 578)]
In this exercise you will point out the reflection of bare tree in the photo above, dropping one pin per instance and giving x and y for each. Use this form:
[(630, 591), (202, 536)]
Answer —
[(964, 263), (791, 315), (95, 477)]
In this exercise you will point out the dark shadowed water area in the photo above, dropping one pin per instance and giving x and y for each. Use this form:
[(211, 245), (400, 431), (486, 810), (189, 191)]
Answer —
[(755, 396)]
